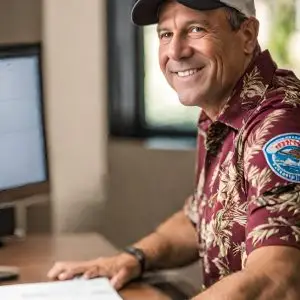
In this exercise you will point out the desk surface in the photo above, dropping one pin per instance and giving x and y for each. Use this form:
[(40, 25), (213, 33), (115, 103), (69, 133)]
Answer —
[(36, 254)]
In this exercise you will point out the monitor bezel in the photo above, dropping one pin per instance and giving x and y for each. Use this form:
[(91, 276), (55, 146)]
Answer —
[(33, 189)]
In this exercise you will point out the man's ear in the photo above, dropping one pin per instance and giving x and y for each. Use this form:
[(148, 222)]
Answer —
[(249, 30)]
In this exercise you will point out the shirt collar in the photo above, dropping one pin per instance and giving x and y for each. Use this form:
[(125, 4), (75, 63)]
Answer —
[(247, 94)]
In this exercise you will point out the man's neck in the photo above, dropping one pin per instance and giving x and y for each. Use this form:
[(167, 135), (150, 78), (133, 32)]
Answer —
[(213, 112)]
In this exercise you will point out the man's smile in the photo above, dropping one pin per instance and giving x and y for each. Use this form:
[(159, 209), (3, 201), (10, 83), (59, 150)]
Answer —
[(187, 73)]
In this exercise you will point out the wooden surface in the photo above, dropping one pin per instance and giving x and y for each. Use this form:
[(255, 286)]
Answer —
[(36, 254)]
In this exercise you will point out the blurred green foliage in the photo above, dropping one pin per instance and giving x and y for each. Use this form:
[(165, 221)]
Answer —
[(283, 26)]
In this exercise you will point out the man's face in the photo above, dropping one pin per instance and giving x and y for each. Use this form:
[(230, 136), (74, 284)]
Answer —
[(200, 55)]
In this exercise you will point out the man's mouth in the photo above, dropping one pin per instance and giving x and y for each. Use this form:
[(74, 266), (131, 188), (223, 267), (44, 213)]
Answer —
[(187, 73)]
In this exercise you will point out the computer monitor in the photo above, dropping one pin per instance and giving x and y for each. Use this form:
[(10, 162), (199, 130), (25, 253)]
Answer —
[(23, 155)]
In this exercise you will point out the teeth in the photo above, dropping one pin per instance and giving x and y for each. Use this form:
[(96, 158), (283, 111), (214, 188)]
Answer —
[(187, 73)]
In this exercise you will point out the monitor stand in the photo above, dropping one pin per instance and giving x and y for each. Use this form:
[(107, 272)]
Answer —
[(8, 273)]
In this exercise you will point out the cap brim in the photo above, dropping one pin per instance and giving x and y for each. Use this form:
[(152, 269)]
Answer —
[(145, 12)]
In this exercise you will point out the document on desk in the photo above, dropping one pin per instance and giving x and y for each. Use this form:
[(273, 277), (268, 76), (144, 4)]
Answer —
[(80, 289)]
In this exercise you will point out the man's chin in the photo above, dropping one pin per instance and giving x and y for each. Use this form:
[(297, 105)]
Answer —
[(186, 101)]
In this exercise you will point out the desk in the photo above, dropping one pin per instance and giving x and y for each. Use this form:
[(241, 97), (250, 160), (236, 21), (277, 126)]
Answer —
[(36, 254)]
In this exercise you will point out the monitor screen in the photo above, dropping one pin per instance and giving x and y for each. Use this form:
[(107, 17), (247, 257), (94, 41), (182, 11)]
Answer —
[(22, 140)]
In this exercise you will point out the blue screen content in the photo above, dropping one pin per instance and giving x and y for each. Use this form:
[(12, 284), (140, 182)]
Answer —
[(22, 153)]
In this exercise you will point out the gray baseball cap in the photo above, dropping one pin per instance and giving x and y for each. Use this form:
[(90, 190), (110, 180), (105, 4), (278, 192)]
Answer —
[(145, 12)]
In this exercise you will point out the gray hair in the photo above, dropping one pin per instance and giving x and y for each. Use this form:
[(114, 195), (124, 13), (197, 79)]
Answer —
[(235, 18)]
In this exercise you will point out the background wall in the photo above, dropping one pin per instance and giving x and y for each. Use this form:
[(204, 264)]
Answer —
[(118, 187), (145, 187), (75, 85), (20, 21)]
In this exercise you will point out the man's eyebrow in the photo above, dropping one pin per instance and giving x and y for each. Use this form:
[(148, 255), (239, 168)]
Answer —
[(202, 22)]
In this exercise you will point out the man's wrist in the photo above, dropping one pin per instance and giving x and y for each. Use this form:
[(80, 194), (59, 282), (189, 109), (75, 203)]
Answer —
[(139, 255)]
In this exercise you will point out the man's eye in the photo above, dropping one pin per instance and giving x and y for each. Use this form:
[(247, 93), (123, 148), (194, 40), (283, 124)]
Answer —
[(165, 35), (197, 29)]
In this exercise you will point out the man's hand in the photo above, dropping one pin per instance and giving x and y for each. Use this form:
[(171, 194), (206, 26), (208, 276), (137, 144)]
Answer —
[(119, 269), (172, 244)]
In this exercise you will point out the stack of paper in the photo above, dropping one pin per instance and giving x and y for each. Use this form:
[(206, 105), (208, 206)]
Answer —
[(95, 289)]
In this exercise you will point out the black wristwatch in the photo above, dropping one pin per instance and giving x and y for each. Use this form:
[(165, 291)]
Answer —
[(139, 255)]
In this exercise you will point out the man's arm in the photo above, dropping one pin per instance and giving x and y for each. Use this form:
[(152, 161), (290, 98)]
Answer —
[(173, 244), (271, 272)]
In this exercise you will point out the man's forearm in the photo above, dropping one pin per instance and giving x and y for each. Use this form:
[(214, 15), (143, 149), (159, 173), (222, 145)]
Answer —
[(173, 244), (238, 286), (245, 285)]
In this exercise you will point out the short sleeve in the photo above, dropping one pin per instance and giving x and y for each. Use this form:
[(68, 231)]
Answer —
[(272, 180), (191, 209)]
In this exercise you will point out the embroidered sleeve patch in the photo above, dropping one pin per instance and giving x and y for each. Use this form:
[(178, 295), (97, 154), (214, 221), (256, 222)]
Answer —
[(283, 156)]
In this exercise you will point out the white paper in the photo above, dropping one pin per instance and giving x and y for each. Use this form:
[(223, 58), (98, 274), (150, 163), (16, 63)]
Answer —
[(95, 289)]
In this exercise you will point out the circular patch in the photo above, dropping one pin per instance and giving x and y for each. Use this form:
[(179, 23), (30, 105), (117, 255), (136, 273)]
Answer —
[(283, 156)]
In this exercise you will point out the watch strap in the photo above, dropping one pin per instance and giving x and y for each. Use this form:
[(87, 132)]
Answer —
[(139, 255)]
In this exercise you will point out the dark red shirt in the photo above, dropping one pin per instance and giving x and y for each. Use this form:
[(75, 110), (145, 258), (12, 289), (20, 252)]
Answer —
[(248, 171)]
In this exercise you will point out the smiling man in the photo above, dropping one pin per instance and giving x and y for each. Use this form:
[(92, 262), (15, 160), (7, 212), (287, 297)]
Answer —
[(243, 220), (200, 55)]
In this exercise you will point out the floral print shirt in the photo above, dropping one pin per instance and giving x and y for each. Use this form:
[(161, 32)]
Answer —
[(247, 191)]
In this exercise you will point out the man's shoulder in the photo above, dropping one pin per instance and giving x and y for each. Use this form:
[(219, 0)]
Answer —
[(284, 91), (280, 106)]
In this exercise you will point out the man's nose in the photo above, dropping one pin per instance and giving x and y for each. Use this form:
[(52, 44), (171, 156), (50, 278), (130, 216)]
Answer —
[(179, 48)]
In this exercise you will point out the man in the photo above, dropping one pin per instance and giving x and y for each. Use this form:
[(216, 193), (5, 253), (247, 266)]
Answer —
[(246, 208)]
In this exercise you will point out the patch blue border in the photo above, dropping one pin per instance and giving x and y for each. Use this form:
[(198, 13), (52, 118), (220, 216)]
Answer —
[(273, 165)]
